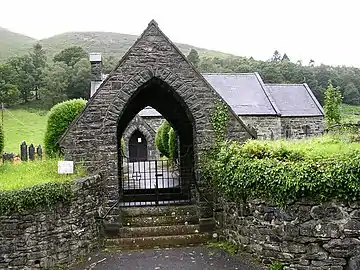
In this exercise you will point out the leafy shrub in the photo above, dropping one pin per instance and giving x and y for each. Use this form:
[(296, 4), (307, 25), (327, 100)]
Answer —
[(43, 195), (173, 145), (158, 141), (165, 138), (255, 170), (1, 140), (60, 117)]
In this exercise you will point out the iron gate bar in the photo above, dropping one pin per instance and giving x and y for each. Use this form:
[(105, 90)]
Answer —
[(145, 183)]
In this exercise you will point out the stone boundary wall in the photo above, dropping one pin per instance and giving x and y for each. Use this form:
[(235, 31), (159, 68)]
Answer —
[(50, 238), (304, 236)]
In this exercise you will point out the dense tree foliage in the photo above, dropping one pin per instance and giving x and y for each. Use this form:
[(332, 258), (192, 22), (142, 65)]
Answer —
[(70, 56), (193, 57), (31, 77), (9, 92), (333, 100)]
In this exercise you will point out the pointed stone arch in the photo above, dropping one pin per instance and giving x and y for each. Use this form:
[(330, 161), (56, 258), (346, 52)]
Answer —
[(138, 123), (152, 61)]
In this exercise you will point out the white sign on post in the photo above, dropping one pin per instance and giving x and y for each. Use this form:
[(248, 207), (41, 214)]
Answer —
[(65, 167)]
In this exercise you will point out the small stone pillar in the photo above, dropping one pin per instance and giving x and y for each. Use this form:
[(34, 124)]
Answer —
[(32, 152), (23, 151)]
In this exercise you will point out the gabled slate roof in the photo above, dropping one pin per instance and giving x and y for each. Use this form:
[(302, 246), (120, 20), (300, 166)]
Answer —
[(295, 100), (248, 95), (244, 92)]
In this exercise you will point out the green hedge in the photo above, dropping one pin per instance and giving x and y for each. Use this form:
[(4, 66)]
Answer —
[(278, 174), (173, 145), (166, 127), (158, 141), (45, 195), (60, 117), (1, 140)]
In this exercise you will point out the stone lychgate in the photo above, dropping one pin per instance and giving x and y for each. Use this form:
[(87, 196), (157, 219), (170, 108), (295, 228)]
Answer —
[(152, 73)]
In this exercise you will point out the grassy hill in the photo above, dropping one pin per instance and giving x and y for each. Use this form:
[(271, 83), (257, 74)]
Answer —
[(13, 44), (107, 43)]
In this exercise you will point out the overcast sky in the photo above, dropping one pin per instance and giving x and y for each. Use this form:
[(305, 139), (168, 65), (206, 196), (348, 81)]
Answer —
[(326, 31)]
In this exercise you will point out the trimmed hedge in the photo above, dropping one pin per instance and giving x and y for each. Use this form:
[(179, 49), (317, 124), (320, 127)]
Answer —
[(173, 145), (1, 140), (158, 140), (165, 137), (45, 195), (60, 117), (280, 175)]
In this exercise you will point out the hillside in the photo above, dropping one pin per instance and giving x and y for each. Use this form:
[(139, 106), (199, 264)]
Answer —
[(107, 43), (13, 44)]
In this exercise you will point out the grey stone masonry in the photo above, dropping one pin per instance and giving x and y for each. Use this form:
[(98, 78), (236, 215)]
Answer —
[(53, 237), (138, 123), (152, 57), (305, 236), (267, 127), (301, 127)]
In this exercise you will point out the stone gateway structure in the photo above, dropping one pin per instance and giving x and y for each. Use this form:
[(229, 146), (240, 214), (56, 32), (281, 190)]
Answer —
[(152, 73)]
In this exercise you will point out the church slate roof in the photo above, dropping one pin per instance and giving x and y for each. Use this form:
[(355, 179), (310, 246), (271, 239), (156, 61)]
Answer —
[(248, 95), (244, 92), (295, 100)]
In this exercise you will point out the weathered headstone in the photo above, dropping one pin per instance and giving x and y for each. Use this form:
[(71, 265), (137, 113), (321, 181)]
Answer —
[(39, 151), (23, 151), (7, 157), (65, 167), (31, 152)]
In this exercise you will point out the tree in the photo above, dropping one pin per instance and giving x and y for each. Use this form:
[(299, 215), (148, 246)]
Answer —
[(79, 80), (285, 58), (70, 56), (332, 105), (276, 56), (55, 84), (158, 141), (311, 63), (24, 76), (351, 94), (9, 93), (193, 57), (39, 60)]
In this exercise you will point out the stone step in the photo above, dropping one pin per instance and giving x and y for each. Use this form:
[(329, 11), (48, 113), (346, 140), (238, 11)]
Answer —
[(158, 231), (151, 221), (170, 210), (158, 241)]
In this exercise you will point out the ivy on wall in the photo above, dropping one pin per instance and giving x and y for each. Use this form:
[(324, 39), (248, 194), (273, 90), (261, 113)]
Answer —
[(219, 119), (45, 195), (279, 176)]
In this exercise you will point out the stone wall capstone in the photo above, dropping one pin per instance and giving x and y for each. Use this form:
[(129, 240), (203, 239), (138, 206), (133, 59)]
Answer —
[(305, 236), (54, 237)]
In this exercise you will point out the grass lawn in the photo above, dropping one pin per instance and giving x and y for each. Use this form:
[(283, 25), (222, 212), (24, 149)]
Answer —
[(350, 113), (322, 146), (23, 125), (27, 174)]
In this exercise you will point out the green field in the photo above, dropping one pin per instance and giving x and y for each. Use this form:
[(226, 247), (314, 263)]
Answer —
[(23, 125), (28, 174), (350, 113)]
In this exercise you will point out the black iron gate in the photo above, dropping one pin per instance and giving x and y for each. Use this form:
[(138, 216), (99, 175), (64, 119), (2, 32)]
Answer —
[(153, 182)]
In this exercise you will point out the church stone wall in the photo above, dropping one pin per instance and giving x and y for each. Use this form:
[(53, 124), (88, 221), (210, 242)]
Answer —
[(296, 127), (267, 127)]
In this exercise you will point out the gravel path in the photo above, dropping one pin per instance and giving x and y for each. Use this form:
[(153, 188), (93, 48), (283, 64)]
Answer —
[(190, 258)]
